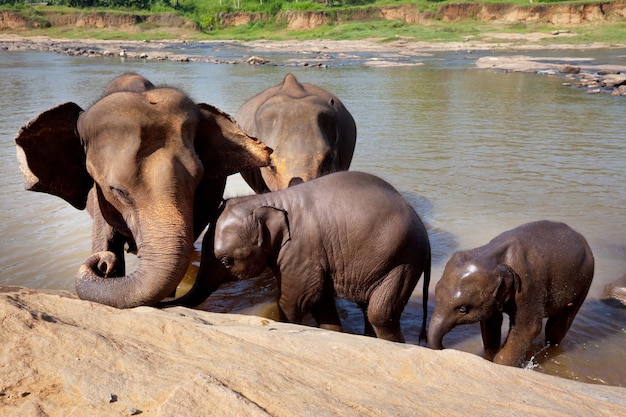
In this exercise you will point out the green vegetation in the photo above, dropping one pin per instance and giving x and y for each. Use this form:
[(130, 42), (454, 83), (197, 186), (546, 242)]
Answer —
[(208, 17)]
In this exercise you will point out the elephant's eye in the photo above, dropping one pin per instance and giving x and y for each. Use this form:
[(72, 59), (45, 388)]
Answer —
[(464, 309), (227, 261), (120, 193)]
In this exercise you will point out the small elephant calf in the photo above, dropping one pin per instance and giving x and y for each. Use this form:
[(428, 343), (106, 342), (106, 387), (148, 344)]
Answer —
[(346, 234), (537, 270)]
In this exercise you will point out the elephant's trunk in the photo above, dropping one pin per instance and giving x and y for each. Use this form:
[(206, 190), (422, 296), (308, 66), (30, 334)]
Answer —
[(437, 329), (163, 261)]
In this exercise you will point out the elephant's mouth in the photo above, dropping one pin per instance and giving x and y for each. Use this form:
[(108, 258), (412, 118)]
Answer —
[(295, 181)]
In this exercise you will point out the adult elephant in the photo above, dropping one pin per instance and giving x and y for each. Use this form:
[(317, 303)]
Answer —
[(151, 166), (311, 131)]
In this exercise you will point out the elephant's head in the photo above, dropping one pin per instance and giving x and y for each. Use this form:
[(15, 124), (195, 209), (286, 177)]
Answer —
[(153, 164), (129, 81), (310, 130), (247, 241), (469, 291)]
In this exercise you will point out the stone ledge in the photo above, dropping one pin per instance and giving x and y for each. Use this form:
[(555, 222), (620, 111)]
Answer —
[(62, 356)]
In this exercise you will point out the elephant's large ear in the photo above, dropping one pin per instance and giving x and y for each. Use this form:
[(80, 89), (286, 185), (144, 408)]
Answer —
[(51, 155), (223, 147), (508, 284), (274, 229)]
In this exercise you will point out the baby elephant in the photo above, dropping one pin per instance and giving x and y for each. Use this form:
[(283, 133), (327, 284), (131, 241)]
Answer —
[(347, 234), (540, 269)]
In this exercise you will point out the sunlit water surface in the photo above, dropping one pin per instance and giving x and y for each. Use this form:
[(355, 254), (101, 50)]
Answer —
[(477, 152)]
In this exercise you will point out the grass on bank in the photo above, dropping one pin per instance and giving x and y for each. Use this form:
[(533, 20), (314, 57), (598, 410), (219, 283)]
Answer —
[(436, 31)]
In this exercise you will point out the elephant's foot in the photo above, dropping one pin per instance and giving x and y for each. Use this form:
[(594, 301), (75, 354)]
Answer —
[(333, 327), (100, 264), (391, 333)]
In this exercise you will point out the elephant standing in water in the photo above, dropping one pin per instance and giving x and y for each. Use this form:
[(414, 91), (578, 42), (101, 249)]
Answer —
[(347, 234), (150, 165), (537, 270), (309, 129)]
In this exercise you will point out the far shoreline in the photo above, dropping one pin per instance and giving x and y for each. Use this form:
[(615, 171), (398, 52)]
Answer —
[(493, 41), (585, 73)]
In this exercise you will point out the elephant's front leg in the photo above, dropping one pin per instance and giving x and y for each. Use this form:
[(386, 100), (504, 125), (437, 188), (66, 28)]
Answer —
[(301, 288), (325, 313), (491, 330), (521, 335)]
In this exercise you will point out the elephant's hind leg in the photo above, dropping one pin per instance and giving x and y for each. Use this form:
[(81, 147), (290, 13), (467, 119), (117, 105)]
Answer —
[(389, 330), (387, 303), (558, 325)]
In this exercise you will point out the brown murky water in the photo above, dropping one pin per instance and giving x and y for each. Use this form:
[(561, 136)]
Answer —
[(476, 152)]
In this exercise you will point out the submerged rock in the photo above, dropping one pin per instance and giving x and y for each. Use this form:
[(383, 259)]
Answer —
[(74, 357), (616, 290), (596, 78), (569, 69)]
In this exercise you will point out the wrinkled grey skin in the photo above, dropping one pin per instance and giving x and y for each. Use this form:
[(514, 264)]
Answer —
[(150, 165), (537, 270), (129, 81), (309, 129), (348, 234)]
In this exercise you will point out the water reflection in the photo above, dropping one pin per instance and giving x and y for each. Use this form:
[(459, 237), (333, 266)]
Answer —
[(476, 152)]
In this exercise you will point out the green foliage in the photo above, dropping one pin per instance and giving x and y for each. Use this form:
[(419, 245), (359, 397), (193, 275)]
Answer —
[(110, 4), (208, 15)]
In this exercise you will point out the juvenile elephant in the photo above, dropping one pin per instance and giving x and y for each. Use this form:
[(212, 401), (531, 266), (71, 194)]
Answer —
[(151, 166), (537, 270), (310, 130), (347, 234)]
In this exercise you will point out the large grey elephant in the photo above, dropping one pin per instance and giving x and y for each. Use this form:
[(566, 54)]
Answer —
[(347, 234), (310, 130), (151, 166), (537, 270)]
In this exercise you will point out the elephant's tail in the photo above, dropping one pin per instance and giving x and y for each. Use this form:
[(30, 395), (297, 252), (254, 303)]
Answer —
[(423, 335)]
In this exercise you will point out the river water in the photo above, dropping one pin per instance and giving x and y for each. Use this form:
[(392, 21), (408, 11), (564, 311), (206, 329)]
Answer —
[(477, 152)]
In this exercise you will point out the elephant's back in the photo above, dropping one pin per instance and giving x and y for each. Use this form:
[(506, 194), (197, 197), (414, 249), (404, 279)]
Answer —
[(550, 237), (364, 205), (350, 197), (354, 190)]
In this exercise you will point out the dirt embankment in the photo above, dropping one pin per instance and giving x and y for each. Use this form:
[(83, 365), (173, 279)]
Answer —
[(557, 14), (11, 20)]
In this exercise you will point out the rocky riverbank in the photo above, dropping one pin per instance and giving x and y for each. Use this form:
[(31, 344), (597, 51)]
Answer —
[(582, 73), (61, 356), (588, 75)]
